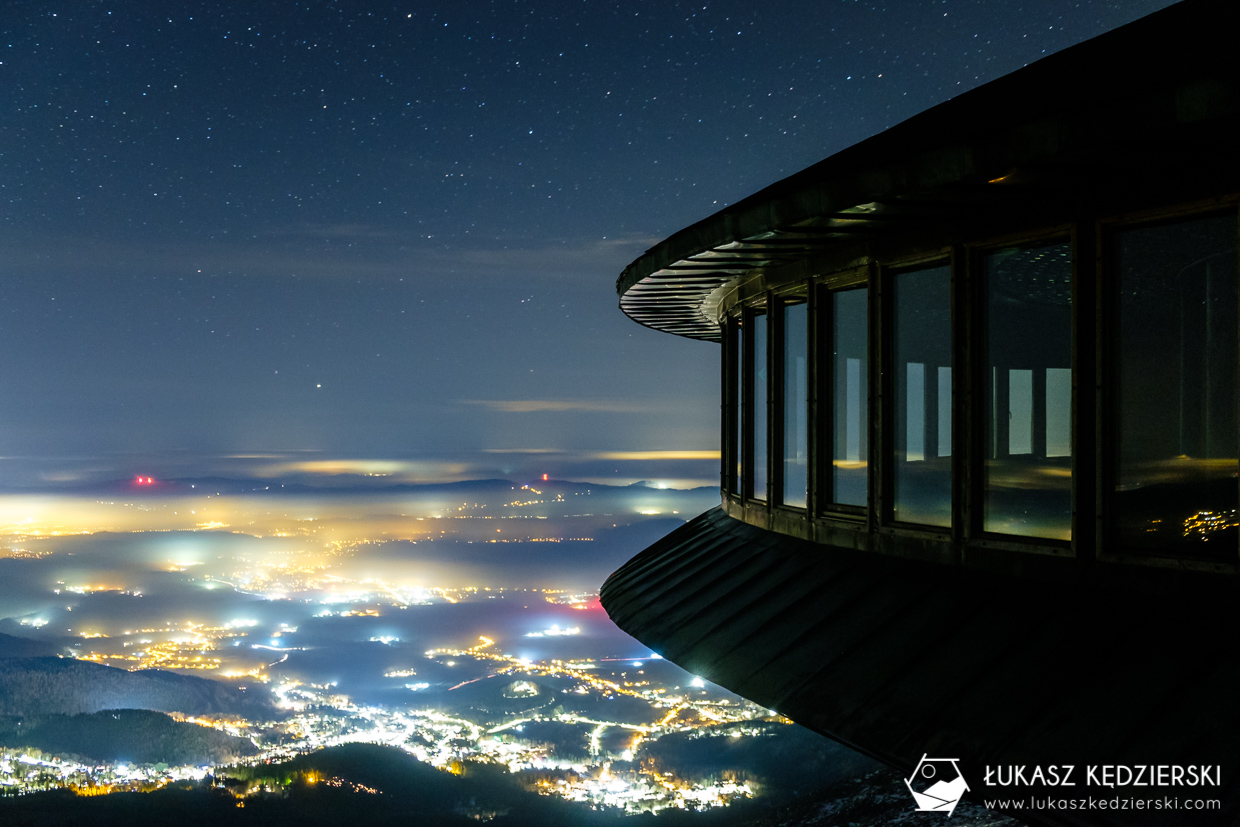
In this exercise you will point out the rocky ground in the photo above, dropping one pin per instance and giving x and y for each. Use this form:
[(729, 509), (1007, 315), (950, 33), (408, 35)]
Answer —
[(878, 799)]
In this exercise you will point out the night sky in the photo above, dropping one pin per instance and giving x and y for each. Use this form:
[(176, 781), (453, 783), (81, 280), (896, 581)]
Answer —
[(252, 238)]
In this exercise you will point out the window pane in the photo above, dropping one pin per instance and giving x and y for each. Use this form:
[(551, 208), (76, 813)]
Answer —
[(759, 406), (1176, 480), (1028, 470), (922, 371), (851, 450), (796, 401), (850, 404)]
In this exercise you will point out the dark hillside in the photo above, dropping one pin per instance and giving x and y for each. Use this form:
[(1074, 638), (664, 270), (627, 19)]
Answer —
[(132, 736), (48, 686), (780, 761), (12, 646)]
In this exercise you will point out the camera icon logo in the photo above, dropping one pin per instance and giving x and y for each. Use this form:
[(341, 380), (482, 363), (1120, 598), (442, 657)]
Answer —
[(937, 784)]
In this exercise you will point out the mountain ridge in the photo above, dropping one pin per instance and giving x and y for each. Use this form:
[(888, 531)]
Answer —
[(57, 685)]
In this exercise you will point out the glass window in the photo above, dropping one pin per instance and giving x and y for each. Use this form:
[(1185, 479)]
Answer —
[(796, 404), (849, 403), (921, 369), (1176, 414), (759, 331), (1028, 395)]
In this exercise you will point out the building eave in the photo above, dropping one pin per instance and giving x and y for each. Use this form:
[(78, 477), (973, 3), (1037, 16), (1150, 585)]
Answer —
[(1073, 126)]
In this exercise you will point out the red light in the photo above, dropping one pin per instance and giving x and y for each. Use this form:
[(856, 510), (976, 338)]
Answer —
[(544, 477), (145, 481)]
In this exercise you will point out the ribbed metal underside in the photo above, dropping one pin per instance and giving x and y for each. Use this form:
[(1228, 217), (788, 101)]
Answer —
[(898, 658), (674, 298)]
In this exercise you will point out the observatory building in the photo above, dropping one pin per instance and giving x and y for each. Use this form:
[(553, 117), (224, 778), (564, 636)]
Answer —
[(980, 431)]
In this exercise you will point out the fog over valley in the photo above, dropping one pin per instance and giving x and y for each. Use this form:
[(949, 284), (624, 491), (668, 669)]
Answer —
[(399, 564)]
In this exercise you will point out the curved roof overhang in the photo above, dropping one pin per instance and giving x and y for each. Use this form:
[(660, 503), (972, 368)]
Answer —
[(897, 657), (1131, 119)]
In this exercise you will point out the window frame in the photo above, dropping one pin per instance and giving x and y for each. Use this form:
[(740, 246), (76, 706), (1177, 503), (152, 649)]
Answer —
[(973, 484), (885, 433), (822, 385), (777, 304), (1106, 459)]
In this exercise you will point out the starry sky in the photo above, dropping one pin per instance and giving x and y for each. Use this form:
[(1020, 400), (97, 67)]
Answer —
[(263, 239)]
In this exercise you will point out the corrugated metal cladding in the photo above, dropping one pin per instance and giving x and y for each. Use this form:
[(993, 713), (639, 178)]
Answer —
[(900, 659)]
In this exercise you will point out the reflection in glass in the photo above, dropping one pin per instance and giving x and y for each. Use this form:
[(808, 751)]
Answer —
[(915, 412), (796, 401), (850, 408), (922, 351), (945, 412), (759, 406), (1028, 470), (1059, 412), (1176, 418), (1020, 411)]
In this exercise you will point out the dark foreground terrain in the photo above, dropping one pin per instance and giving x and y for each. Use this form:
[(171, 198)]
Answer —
[(374, 785)]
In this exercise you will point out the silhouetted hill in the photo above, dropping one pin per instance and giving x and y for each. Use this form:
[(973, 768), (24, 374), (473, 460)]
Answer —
[(407, 788), (12, 646), (421, 794), (350, 785), (49, 686), (132, 736), (782, 762), (421, 787)]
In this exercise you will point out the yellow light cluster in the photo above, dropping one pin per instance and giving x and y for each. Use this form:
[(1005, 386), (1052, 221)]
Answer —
[(1204, 523)]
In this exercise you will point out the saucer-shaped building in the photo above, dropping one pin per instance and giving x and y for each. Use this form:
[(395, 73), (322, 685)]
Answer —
[(980, 430)]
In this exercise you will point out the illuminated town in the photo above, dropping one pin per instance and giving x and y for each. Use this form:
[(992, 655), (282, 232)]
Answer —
[(234, 589)]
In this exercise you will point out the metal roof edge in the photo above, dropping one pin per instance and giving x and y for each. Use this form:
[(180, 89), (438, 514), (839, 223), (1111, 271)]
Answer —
[(963, 139)]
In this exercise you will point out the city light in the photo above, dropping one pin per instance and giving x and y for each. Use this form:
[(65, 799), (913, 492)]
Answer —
[(272, 576)]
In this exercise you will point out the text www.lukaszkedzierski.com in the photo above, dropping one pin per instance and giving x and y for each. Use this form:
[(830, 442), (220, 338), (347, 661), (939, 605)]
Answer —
[(1165, 803)]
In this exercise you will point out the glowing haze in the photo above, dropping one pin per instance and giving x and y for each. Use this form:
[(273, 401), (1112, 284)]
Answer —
[(182, 576)]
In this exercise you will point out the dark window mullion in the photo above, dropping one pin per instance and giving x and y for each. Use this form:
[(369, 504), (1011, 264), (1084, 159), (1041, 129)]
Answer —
[(1107, 359), (811, 401), (882, 448), (962, 348), (1085, 364), (760, 442), (822, 415), (973, 358), (729, 408), (746, 420)]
